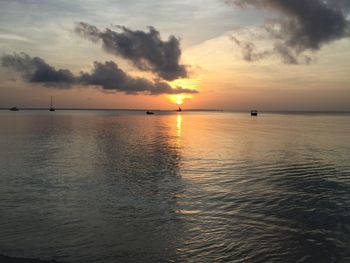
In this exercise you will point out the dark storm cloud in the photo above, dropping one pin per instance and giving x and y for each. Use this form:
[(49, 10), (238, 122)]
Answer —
[(146, 50), (303, 24), (37, 70), (106, 75)]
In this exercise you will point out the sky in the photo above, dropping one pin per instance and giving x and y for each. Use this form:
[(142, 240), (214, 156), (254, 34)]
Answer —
[(208, 54)]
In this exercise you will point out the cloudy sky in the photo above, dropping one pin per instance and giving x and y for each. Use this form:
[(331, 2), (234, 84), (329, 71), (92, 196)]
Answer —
[(233, 54)]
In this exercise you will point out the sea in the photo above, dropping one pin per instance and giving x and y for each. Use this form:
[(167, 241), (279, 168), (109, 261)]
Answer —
[(107, 186)]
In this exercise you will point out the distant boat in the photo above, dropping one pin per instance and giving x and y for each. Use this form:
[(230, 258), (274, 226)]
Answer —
[(179, 109), (51, 106), (254, 113), (14, 109), (149, 112)]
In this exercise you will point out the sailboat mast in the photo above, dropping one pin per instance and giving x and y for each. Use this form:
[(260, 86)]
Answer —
[(51, 105)]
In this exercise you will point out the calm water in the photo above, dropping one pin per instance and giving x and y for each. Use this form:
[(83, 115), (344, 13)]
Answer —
[(108, 186)]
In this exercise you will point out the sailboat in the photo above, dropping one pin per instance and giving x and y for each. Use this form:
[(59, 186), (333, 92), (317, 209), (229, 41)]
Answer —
[(51, 106), (179, 109)]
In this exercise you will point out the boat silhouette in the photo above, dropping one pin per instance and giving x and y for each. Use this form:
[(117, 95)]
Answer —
[(51, 106), (14, 109), (254, 113)]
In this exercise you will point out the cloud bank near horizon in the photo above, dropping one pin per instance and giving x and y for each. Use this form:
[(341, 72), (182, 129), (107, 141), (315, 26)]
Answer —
[(107, 76), (300, 26)]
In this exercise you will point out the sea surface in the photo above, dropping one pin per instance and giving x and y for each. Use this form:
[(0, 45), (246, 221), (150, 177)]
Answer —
[(123, 186)]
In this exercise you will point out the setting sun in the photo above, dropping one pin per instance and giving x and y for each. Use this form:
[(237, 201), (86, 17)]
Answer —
[(179, 98)]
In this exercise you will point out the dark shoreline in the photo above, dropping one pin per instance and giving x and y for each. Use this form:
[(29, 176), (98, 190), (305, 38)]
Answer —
[(5, 259)]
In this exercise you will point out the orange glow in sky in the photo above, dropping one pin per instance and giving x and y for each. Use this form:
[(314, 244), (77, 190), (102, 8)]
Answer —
[(179, 99)]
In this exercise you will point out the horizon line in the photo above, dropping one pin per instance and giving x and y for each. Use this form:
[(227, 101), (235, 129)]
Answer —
[(190, 109)]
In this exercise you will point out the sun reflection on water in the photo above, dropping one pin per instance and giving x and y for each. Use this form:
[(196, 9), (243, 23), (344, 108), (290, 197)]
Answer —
[(178, 125)]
